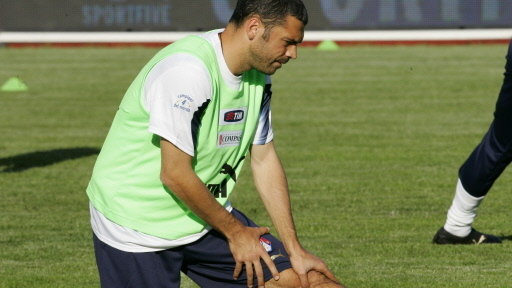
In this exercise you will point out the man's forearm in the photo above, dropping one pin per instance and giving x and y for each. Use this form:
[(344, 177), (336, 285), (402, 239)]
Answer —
[(199, 199), (271, 183), (187, 186)]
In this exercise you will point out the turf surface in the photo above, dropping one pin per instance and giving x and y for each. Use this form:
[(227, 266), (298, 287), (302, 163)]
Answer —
[(371, 138)]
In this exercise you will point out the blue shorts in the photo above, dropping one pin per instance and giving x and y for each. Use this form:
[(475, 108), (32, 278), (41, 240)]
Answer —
[(208, 262)]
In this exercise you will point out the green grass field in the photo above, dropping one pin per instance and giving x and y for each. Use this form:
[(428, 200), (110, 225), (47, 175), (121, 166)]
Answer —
[(371, 138)]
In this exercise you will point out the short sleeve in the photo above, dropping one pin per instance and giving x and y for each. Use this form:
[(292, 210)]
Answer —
[(264, 133), (175, 89)]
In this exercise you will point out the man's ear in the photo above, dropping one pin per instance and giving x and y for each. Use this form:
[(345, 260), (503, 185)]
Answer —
[(253, 26)]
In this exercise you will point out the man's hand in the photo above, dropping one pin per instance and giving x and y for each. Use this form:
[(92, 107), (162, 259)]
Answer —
[(247, 250), (304, 262)]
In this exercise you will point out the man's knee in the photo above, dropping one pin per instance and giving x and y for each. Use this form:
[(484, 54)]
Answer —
[(319, 280), (289, 279)]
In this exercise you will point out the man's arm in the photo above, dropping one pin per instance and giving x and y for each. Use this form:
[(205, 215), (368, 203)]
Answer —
[(177, 174), (271, 183)]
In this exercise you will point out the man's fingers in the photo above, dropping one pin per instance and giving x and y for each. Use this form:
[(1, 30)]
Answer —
[(238, 269), (331, 276), (271, 266), (250, 256), (304, 283), (263, 230), (259, 274), (250, 275), (324, 270)]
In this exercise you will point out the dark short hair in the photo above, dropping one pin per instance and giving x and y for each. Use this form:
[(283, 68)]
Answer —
[(271, 12)]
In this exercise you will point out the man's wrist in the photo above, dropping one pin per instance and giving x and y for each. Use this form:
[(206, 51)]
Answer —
[(232, 228), (294, 248)]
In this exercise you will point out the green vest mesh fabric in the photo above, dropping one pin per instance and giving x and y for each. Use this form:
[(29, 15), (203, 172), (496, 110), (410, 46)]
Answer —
[(125, 185)]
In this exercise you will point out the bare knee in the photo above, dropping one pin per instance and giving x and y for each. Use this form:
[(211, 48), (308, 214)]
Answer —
[(319, 280), (289, 279)]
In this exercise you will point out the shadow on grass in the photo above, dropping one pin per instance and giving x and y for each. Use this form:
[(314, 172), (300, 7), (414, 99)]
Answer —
[(35, 159)]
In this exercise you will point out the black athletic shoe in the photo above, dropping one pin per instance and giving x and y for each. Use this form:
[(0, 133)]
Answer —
[(475, 237)]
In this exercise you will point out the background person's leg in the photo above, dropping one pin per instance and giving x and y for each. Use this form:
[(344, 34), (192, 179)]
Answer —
[(479, 172)]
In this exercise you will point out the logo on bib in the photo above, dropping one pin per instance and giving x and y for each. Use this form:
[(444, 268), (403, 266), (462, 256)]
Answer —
[(232, 116), (229, 138)]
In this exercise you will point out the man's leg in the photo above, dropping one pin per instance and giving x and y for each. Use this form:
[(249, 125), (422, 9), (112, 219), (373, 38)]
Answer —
[(209, 262), (480, 171), (289, 279), (134, 270)]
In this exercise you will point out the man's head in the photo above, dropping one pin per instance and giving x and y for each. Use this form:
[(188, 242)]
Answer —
[(271, 12), (273, 29)]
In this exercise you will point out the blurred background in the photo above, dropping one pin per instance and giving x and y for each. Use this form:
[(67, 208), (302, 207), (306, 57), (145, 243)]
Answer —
[(371, 136), (186, 15)]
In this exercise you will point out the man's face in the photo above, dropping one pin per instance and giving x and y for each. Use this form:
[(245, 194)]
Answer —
[(269, 53)]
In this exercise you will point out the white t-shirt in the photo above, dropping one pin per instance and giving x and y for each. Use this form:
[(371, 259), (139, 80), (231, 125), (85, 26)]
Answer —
[(177, 75)]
